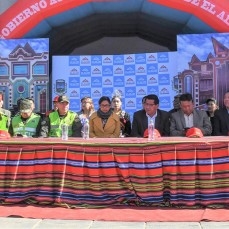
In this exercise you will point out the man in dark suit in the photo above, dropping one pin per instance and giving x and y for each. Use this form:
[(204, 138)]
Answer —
[(221, 118), (142, 118), (188, 117)]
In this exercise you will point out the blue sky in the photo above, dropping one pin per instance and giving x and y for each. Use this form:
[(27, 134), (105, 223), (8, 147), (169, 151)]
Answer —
[(199, 44), (39, 45)]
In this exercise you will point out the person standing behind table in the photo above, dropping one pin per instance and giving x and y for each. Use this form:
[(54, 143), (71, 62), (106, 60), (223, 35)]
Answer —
[(51, 125), (124, 117), (142, 118), (211, 108), (188, 117), (221, 118), (104, 123), (25, 123), (5, 116)]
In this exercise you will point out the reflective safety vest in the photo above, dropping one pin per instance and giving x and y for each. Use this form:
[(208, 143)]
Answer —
[(26, 128), (56, 123), (4, 122)]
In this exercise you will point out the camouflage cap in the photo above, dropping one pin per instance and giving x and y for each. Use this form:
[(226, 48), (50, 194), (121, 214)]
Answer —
[(25, 106), (63, 98)]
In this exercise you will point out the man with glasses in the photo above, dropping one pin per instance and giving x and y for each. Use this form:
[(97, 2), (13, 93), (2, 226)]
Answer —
[(150, 113)]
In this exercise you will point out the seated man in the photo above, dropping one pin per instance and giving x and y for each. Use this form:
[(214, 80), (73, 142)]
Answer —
[(142, 118), (51, 125), (25, 123), (221, 118), (188, 117)]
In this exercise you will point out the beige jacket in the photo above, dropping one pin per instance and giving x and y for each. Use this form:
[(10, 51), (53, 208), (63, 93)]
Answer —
[(111, 129)]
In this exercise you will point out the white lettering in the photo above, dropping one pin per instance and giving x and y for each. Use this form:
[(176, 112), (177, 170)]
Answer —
[(5, 32), (194, 2), (223, 17), (208, 7), (52, 2), (35, 8), (27, 12), (11, 26), (20, 18), (43, 4)]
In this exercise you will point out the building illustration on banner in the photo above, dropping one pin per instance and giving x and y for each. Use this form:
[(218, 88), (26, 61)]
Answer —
[(207, 74), (24, 72)]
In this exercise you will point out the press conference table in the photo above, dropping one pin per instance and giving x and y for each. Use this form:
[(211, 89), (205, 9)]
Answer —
[(125, 171)]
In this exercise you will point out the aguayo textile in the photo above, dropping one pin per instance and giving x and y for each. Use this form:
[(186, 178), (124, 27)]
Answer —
[(102, 172)]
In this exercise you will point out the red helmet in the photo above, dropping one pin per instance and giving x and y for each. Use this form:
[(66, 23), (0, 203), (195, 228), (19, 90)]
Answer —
[(4, 134), (194, 132), (56, 99), (155, 132)]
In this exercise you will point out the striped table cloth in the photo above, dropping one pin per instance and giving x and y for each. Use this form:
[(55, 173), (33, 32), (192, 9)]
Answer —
[(125, 171)]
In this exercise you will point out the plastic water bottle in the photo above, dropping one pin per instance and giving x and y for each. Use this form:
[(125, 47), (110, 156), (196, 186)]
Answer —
[(64, 129), (150, 131), (86, 130)]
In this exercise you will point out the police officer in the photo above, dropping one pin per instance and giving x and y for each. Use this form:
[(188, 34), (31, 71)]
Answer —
[(25, 123), (51, 125)]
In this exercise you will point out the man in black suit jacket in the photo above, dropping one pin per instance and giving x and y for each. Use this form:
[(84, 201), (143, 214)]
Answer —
[(141, 118), (221, 118)]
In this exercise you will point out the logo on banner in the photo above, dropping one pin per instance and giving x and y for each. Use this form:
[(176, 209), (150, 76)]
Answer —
[(163, 68), (74, 71), (108, 91), (165, 102), (140, 58), (130, 81), (107, 70), (85, 71), (60, 87), (140, 69), (141, 92), (164, 91), (85, 92), (130, 92), (130, 103), (74, 82), (141, 80), (118, 59), (74, 104), (85, 83), (85, 60), (107, 82), (119, 81), (118, 71), (74, 60), (96, 81), (139, 102), (153, 90), (152, 69), (97, 93), (163, 57), (74, 93), (96, 71), (152, 80), (151, 58), (164, 79), (96, 60), (107, 60), (129, 70), (129, 59)]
